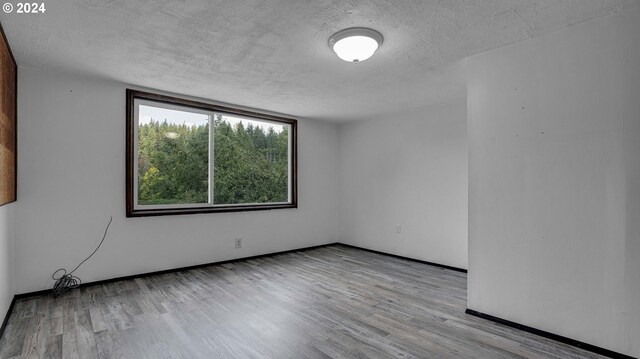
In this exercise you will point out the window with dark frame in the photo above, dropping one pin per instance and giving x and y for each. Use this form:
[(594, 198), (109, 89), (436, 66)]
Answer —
[(187, 157)]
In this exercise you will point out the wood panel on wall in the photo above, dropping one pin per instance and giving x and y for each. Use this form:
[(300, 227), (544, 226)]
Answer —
[(8, 130)]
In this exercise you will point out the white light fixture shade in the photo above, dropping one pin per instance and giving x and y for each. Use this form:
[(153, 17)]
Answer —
[(355, 44)]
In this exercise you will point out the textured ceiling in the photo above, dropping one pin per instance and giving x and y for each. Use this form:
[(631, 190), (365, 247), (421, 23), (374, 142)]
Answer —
[(273, 55)]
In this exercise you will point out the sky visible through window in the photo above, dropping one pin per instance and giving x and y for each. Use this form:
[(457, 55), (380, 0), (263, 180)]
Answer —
[(158, 114)]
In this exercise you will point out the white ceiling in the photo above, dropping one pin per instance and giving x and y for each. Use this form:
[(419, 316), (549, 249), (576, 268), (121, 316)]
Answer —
[(273, 55)]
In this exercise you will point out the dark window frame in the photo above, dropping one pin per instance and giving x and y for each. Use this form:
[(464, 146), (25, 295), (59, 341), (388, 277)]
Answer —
[(131, 211)]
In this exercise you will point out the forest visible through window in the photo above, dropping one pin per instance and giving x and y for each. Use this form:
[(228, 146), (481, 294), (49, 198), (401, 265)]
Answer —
[(250, 159)]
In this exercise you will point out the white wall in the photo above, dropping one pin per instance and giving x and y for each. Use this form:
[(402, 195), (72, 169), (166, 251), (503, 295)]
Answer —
[(408, 169), (7, 288), (554, 174), (71, 179)]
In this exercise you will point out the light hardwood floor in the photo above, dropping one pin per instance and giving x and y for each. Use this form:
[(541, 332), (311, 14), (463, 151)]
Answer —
[(330, 302)]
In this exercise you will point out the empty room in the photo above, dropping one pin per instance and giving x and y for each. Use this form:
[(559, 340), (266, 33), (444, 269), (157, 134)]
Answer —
[(320, 179)]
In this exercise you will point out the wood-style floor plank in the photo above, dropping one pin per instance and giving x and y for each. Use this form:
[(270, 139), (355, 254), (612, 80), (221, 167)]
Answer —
[(329, 302)]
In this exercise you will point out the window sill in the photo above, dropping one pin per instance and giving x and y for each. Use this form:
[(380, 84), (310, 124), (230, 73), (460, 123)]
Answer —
[(197, 210)]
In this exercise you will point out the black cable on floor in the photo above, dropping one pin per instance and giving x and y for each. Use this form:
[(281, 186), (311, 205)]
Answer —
[(67, 282)]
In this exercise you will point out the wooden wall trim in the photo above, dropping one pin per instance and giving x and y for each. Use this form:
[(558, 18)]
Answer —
[(14, 196)]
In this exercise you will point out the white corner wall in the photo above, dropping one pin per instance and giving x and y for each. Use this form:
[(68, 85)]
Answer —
[(409, 169), (72, 178), (554, 174), (7, 288)]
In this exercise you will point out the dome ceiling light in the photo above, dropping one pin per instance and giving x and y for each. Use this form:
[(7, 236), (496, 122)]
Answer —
[(355, 44)]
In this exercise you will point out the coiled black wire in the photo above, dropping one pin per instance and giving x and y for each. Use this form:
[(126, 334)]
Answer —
[(67, 282)]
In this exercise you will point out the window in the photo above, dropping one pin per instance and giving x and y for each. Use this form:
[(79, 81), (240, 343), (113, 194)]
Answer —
[(190, 157)]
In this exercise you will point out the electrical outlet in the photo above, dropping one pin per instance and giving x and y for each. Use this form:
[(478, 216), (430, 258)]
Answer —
[(398, 228), (238, 243)]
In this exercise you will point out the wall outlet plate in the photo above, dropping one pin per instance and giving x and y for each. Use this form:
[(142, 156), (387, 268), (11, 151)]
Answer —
[(238, 243)]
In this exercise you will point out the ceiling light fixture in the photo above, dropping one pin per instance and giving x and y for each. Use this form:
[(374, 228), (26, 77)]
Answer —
[(355, 44)]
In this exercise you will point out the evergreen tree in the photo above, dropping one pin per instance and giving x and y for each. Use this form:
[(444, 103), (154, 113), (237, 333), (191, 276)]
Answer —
[(250, 166)]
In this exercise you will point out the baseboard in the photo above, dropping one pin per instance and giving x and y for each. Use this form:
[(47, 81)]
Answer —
[(172, 270), (6, 316), (165, 271), (407, 258), (556, 337)]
